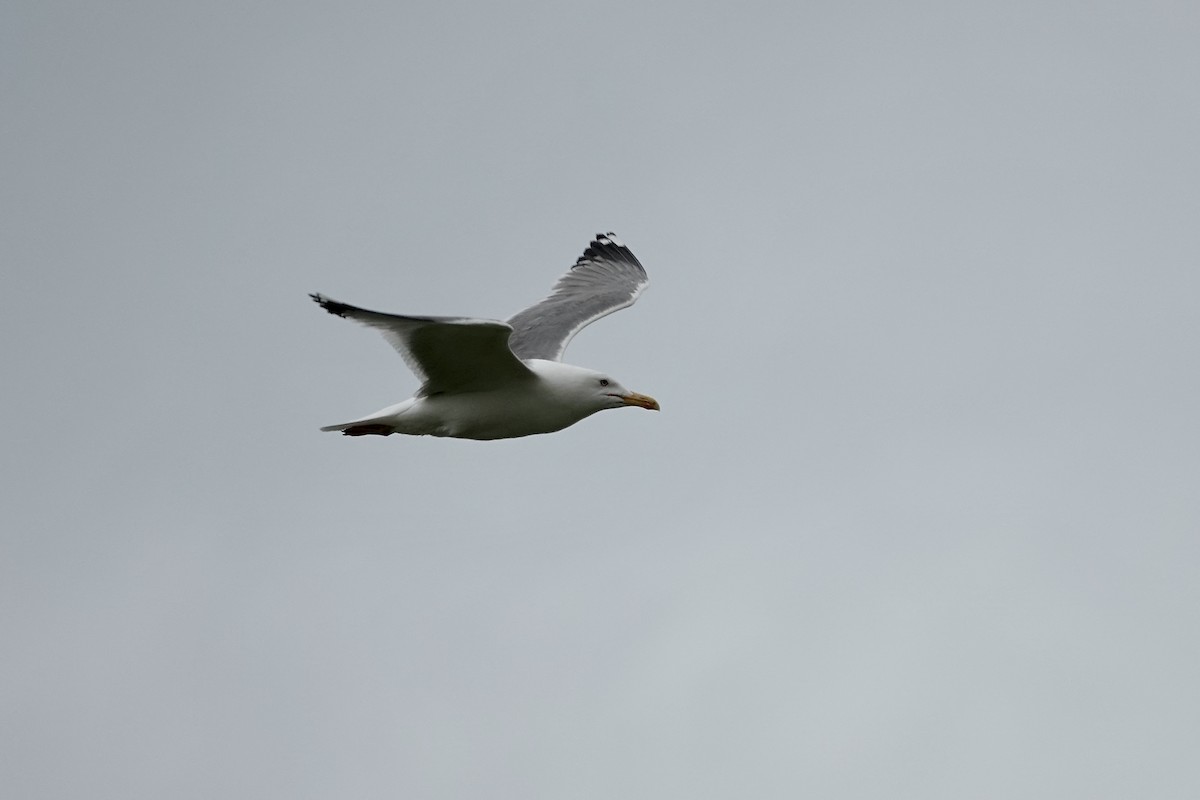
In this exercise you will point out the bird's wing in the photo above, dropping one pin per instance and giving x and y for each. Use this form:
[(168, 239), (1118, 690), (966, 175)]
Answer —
[(450, 354), (606, 278)]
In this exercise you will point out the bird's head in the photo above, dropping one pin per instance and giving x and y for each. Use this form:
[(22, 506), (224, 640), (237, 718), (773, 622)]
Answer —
[(611, 394), (588, 388)]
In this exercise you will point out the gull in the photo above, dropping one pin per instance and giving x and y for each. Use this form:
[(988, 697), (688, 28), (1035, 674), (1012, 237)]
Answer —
[(487, 379)]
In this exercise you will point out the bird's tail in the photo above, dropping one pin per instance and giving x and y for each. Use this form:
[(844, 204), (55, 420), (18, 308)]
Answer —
[(381, 423), (362, 428)]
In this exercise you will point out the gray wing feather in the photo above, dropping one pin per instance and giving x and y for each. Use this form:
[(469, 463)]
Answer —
[(449, 354), (606, 278)]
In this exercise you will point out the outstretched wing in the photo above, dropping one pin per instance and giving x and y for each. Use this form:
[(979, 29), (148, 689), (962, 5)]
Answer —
[(606, 278), (449, 354)]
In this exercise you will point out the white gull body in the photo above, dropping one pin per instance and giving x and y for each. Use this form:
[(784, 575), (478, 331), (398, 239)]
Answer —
[(486, 379)]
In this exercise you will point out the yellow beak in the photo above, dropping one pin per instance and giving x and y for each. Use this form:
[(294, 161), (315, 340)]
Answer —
[(640, 400)]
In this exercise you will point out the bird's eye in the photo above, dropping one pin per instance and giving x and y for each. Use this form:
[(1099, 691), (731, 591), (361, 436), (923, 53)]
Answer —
[(604, 381)]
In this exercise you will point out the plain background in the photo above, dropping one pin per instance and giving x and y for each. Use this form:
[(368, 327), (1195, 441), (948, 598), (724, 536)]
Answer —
[(918, 518)]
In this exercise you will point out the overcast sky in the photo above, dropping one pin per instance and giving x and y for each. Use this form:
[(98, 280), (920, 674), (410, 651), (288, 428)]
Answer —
[(920, 517)]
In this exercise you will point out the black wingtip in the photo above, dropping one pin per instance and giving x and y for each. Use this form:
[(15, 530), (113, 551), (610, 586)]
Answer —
[(606, 246), (330, 305)]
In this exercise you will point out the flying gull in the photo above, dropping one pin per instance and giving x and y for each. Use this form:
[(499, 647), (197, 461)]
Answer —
[(486, 379)]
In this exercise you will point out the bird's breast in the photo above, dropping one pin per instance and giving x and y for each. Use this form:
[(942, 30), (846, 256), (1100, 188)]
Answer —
[(500, 414)]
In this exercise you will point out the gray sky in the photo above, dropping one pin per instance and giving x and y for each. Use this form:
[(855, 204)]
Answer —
[(919, 518)]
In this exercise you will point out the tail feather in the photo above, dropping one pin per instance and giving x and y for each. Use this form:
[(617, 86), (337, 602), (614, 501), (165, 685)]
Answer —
[(381, 423), (362, 429)]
